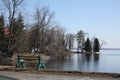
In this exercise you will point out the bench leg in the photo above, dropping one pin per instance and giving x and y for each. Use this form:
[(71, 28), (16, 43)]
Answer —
[(41, 65), (23, 65), (20, 64)]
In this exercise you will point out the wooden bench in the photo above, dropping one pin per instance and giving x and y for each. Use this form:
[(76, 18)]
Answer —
[(30, 59)]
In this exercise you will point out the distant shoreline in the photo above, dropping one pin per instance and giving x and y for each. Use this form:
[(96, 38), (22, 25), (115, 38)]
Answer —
[(110, 48), (103, 49)]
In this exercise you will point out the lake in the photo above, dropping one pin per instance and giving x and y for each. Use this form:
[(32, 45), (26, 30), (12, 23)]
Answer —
[(107, 61)]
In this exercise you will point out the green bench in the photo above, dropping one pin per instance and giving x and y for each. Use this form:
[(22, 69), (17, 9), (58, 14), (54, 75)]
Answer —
[(30, 59)]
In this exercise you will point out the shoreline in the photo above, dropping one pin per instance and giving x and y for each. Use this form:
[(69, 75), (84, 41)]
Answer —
[(31, 76), (59, 72)]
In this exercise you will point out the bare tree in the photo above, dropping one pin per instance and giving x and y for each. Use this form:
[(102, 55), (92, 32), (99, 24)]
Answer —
[(43, 19), (12, 7), (80, 40), (69, 41), (49, 36), (103, 42), (59, 40)]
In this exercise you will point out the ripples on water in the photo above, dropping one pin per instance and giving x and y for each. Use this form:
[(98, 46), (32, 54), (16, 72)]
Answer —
[(107, 61)]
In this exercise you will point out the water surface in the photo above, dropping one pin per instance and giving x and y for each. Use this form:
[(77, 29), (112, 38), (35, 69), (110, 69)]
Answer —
[(107, 61)]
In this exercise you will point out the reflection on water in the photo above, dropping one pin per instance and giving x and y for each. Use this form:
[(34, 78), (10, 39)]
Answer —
[(104, 62)]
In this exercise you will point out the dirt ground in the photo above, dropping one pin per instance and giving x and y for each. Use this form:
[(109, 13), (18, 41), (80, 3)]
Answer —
[(32, 74)]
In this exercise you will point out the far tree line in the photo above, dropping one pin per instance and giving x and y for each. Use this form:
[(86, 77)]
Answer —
[(87, 46), (17, 37)]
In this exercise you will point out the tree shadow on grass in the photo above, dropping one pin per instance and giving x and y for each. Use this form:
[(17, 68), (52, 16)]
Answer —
[(6, 78)]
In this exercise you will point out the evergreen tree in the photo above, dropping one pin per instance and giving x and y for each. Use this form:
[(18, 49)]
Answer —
[(12, 7), (1, 26), (88, 47), (18, 30), (18, 26), (96, 46), (1, 31)]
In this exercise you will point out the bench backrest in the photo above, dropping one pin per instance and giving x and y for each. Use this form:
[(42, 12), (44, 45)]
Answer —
[(28, 58)]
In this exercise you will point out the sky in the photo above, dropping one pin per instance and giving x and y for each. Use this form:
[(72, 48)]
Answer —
[(99, 18)]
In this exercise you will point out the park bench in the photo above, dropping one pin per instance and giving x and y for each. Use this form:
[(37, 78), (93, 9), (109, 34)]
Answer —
[(30, 59)]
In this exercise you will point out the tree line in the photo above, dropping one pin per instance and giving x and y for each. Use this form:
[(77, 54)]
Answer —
[(88, 46), (15, 36)]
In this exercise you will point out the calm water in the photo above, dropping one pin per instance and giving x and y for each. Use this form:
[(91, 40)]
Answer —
[(107, 61)]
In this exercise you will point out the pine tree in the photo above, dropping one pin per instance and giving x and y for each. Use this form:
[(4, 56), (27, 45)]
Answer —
[(96, 46), (18, 26), (88, 47), (1, 26), (17, 31), (1, 32)]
